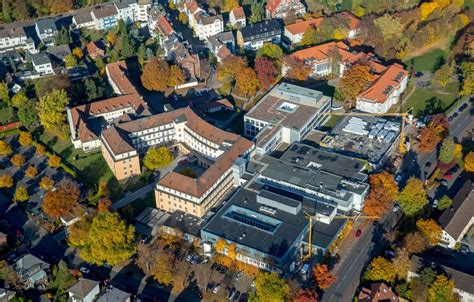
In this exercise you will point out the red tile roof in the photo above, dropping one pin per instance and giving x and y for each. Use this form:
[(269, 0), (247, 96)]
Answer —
[(118, 75), (301, 26), (238, 12), (385, 84), (164, 26), (321, 52), (93, 50), (353, 21), (272, 5)]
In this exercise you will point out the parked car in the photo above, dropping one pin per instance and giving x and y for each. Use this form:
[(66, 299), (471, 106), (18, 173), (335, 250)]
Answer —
[(231, 293), (253, 283), (455, 114), (189, 257), (84, 270), (195, 259), (358, 233), (398, 178), (216, 288), (305, 269), (389, 254), (238, 276), (205, 260), (463, 106), (396, 207), (450, 119)]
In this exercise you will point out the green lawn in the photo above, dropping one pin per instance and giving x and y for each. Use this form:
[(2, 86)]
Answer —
[(429, 61), (428, 100), (5, 116), (91, 168)]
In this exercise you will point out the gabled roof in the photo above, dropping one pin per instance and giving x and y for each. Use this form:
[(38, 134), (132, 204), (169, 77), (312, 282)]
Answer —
[(321, 52), (455, 219), (83, 18), (261, 28), (238, 12), (118, 73), (46, 24), (59, 51), (164, 26), (385, 84), (104, 11), (378, 292), (15, 32), (272, 5), (40, 58), (114, 295), (83, 287), (206, 19), (92, 48), (301, 26), (353, 21)]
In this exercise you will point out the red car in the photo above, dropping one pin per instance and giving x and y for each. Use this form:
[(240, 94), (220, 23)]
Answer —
[(358, 233)]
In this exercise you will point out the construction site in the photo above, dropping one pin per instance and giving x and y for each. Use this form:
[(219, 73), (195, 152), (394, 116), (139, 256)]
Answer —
[(369, 137)]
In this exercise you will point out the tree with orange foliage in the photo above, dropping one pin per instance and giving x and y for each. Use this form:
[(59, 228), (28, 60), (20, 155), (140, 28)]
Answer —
[(220, 245), (31, 172), (54, 161), (267, 71), (232, 251), (156, 74), (25, 138), (383, 191), (6, 181), (469, 162), (46, 183), (55, 7), (415, 242), (40, 149), (429, 139), (305, 295), (296, 69), (228, 69), (177, 76), (17, 160), (354, 80), (61, 201), (104, 205), (324, 279), (246, 81)]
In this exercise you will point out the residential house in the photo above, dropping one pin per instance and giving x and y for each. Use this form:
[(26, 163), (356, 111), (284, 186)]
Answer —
[(94, 50), (15, 38), (237, 17), (83, 20), (283, 8), (378, 292), (332, 58), (6, 295), (118, 77), (141, 9), (207, 25), (285, 115), (85, 290), (192, 9), (294, 32), (221, 45), (253, 36), (459, 218), (461, 275), (190, 62), (353, 23), (105, 16), (32, 270), (46, 30), (163, 27), (114, 295), (125, 10), (59, 53), (42, 63), (12, 58)]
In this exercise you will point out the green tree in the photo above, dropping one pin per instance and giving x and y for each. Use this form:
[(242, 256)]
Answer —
[(380, 269), (441, 290), (413, 197), (4, 94), (126, 48), (270, 287), (447, 150), (258, 11), (108, 239), (309, 37), (444, 203), (52, 111), (61, 278), (6, 11), (21, 193), (467, 69), (157, 157), (63, 36), (141, 54), (444, 75), (427, 275), (70, 60), (272, 51), (91, 89), (19, 100), (391, 27), (28, 114)]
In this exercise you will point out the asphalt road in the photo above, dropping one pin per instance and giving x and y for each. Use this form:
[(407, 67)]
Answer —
[(349, 273), (463, 124)]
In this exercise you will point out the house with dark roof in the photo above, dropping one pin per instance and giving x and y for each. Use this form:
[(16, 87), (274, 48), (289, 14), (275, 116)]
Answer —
[(59, 53), (459, 218), (46, 30), (83, 20), (42, 63), (85, 290), (15, 38), (114, 295), (32, 270), (283, 8), (105, 16), (221, 40), (463, 279), (253, 36)]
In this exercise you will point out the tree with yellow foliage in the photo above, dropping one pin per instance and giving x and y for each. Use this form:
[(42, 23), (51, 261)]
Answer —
[(430, 229), (31, 172), (5, 149), (25, 138), (40, 149), (17, 160), (46, 183), (6, 181), (54, 161), (220, 245), (469, 162), (21, 193)]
